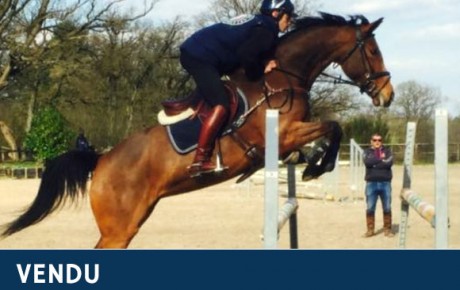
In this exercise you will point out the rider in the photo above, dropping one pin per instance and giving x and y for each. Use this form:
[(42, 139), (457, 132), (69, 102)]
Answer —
[(246, 41)]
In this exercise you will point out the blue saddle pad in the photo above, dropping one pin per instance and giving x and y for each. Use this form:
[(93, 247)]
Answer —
[(184, 134)]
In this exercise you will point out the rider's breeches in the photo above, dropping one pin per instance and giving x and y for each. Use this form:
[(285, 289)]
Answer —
[(207, 79)]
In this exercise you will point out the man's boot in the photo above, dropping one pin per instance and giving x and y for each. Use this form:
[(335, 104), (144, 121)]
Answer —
[(370, 222), (387, 225), (211, 126)]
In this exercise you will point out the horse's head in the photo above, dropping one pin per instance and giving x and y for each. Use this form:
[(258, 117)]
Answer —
[(364, 65), (316, 42)]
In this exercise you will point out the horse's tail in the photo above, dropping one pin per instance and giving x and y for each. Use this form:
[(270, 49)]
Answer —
[(64, 177)]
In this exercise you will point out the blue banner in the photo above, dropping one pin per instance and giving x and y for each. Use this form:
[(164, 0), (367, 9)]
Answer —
[(227, 269)]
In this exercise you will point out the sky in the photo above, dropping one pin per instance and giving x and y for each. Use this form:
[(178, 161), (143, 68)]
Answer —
[(419, 39)]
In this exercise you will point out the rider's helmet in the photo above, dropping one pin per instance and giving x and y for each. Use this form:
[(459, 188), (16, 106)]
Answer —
[(283, 6)]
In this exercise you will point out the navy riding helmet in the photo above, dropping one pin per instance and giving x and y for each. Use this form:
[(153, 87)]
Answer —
[(284, 6)]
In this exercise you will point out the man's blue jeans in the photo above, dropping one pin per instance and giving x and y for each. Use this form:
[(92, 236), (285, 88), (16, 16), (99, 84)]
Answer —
[(374, 190)]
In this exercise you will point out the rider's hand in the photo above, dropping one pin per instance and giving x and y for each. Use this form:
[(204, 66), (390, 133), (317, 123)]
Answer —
[(270, 66)]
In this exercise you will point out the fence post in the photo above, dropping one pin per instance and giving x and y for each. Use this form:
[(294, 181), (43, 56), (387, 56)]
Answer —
[(356, 169), (441, 177), (292, 195), (407, 180), (271, 179)]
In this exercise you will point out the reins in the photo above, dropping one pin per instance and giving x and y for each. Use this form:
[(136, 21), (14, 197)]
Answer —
[(268, 93)]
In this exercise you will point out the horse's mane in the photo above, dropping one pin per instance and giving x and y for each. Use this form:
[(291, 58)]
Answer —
[(326, 19)]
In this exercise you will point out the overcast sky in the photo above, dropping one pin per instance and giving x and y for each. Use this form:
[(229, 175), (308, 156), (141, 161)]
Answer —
[(419, 39)]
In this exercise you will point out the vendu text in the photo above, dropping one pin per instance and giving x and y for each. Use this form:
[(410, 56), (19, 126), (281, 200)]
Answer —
[(60, 274)]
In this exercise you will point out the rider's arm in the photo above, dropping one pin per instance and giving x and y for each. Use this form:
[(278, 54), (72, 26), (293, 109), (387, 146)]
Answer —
[(255, 51)]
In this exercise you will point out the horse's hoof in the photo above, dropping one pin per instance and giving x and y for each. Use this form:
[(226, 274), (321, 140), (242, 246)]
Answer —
[(329, 167), (307, 178), (311, 172)]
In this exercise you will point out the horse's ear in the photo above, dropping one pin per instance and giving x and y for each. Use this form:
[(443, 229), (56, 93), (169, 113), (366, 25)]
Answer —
[(374, 25)]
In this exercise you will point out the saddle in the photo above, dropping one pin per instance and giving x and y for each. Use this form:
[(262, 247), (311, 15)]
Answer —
[(183, 119), (194, 106)]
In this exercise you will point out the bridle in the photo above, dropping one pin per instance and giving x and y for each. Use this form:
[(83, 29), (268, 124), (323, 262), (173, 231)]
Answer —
[(368, 86)]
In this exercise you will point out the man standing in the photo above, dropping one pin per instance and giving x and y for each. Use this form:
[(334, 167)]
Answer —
[(378, 161)]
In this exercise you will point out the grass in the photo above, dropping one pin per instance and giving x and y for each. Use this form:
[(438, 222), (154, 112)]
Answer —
[(20, 164)]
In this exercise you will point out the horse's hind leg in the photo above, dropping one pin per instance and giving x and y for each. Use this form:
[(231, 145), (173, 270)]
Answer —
[(119, 214)]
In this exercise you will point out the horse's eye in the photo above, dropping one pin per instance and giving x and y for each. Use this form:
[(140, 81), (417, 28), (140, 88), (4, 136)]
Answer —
[(375, 51)]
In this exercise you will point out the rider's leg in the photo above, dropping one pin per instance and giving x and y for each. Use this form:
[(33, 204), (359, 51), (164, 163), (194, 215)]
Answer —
[(206, 142), (209, 83)]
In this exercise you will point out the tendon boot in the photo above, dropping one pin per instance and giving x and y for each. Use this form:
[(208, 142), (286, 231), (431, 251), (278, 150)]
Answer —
[(370, 222), (387, 232), (211, 126)]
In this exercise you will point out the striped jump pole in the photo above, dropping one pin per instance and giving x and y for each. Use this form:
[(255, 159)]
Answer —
[(423, 208), (275, 218)]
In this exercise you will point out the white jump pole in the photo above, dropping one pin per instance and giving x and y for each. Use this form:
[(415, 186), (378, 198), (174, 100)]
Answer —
[(271, 179), (441, 177)]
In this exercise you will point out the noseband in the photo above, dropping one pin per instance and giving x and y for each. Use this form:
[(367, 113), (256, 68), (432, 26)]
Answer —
[(368, 86)]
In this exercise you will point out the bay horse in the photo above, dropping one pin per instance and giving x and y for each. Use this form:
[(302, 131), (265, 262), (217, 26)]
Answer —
[(129, 181)]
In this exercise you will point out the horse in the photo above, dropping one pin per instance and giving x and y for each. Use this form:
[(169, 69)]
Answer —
[(130, 180)]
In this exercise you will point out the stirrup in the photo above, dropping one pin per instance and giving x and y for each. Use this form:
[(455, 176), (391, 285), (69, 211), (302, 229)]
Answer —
[(196, 170), (220, 167)]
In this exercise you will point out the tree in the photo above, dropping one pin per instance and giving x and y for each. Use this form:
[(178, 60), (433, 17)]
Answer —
[(362, 127), (329, 100), (136, 69), (9, 13), (38, 34), (416, 102), (226, 9), (8, 135), (49, 135), (117, 70)]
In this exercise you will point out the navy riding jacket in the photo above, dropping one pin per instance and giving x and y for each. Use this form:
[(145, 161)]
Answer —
[(246, 41)]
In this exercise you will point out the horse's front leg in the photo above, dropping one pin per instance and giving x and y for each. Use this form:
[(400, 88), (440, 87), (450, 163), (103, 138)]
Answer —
[(326, 149)]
